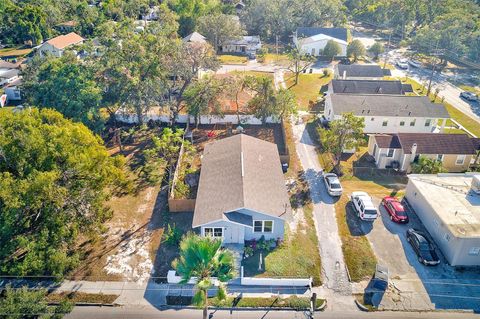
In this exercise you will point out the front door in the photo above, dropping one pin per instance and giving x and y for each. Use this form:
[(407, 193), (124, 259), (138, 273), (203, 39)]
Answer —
[(234, 234)]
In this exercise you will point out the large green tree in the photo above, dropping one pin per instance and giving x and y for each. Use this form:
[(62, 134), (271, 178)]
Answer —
[(219, 28), (203, 258), (356, 49), (342, 134), (67, 85), (299, 62), (282, 17), (55, 176), (376, 49), (332, 49)]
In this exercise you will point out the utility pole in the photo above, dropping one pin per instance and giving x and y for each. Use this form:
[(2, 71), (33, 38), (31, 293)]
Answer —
[(388, 47), (433, 70), (276, 48)]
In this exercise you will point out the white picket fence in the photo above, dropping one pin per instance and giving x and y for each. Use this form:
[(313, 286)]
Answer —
[(172, 278), (130, 118)]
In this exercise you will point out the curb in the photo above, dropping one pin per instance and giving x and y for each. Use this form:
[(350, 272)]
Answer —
[(320, 308), (361, 306)]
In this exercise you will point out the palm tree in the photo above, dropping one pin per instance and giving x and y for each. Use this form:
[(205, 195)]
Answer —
[(203, 258), (427, 165)]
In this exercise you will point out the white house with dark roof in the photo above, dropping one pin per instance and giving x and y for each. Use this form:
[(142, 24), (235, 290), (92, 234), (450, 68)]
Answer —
[(368, 87), (360, 72), (312, 40), (389, 113), (241, 193), (248, 44), (400, 151)]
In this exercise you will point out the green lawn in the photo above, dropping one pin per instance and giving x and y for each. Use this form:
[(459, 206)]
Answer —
[(292, 302), (254, 73), (296, 257), (308, 87), (14, 52), (232, 59), (278, 59)]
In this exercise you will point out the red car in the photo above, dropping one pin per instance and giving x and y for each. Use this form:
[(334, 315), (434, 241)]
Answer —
[(395, 209)]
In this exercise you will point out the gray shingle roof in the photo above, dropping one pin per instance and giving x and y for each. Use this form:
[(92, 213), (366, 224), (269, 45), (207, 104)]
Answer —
[(428, 143), (194, 37), (240, 172), (338, 33), (368, 87), (361, 70), (387, 105)]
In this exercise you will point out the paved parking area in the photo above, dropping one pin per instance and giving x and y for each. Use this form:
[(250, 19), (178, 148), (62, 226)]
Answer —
[(413, 285)]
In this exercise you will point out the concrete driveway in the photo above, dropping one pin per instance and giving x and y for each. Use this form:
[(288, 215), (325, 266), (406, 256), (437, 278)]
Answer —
[(413, 285)]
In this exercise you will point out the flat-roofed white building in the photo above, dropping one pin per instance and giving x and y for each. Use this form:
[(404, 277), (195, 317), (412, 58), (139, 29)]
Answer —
[(449, 207)]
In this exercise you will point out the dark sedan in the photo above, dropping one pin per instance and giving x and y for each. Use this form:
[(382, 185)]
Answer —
[(422, 247)]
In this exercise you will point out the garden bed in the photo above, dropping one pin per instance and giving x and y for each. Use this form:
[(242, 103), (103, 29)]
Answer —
[(293, 302), (82, 297)]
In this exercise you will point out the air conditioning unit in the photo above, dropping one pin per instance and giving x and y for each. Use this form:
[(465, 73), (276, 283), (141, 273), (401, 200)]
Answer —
[(476, 184)]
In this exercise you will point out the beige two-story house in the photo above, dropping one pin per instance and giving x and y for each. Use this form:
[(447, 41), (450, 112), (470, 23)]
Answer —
[(400, 151)]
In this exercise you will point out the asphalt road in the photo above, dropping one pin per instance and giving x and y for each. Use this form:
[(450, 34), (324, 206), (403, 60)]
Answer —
[(152, 313)]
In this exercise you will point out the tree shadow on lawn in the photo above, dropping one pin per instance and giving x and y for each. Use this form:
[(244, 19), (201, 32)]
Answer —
[(251, 264), (356, 226)]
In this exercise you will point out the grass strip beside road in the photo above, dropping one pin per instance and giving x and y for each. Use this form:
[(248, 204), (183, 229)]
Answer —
[(293, 302), (232, 59), (82, 297)]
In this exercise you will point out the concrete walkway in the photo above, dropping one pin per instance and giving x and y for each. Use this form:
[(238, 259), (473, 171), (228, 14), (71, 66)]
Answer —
[(337, 288)]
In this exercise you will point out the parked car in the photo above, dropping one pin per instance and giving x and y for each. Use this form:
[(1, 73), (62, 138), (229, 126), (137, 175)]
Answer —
[(345, 61), (469, 96), (333, 184), (402, 64), (423, 247), (364, 206), (415, 63), (395, 209)]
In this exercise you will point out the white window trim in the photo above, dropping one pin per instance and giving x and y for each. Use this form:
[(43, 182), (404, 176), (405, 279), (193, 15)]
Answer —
[(263, 225), (393, 153), (429, 122), (213, 232), (463, 160), (413, 122), (385, 123), (441, 159)]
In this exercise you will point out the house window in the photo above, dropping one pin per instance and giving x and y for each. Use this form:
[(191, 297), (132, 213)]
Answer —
[(474, 251), (216, 232), (372, 119), (263, 226), (460, 160), (375, 150), (412, 122), (385, 123), (402, 123), (390, 152), (440, 157), (428, 122)]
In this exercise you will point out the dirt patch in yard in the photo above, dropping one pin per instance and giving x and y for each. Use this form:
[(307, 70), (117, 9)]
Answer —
[(126, 250)]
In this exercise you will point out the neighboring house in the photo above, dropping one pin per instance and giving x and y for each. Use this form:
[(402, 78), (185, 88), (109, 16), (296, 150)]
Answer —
[(13, 91), (449, 207), (368, 87), (57, 45), (248, 44), (312, 40), (360, 72), (195, 37), (455, 151), (389, 113), (241, 193), (8, 76)]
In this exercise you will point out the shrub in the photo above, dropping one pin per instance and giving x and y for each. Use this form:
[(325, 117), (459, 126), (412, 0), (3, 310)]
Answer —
[(172, 235)]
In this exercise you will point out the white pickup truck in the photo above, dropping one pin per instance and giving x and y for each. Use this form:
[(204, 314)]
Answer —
[(364, 207)]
